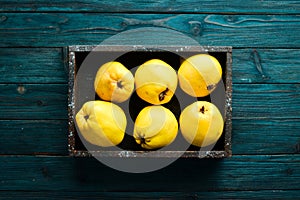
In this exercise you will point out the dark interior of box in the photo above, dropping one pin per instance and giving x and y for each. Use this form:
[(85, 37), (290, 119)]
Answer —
[(132, 60)]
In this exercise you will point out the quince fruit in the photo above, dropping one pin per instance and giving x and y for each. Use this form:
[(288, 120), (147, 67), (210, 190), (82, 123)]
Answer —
[(201, 123), (155, 127), (156, 81), (199, 75), (101, 123), (114, 82)]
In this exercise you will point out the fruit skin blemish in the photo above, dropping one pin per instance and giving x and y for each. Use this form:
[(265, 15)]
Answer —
[(202, 109)]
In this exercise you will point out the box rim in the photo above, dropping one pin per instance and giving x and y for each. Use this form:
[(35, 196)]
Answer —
[(70, 55)]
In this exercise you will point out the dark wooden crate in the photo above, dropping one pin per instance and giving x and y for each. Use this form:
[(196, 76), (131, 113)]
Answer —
[(126, 55)]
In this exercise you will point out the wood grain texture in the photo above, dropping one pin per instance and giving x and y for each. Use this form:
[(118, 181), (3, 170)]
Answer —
[(88, 174), (33, 137), (61, 29), (265, 136), (249, 137), (165, 6), (33, 98), (268, 101), (279, 65), (32, 65), (260, 194), (33, 101)]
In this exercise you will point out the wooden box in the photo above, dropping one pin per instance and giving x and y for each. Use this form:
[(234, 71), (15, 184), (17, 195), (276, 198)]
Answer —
[(134, 56)]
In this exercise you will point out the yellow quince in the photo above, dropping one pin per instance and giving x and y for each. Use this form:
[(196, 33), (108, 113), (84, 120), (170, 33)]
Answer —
[(114, 82), (101, 123), (199, 75), (155, 127), (201, 123), (155, 81)]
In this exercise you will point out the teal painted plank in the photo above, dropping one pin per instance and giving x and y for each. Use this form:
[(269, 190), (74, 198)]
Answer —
[(33, 136), (265, 136), (60, 29), (33, 101), (185, 175), (45, 65), (194, 6), (261, 194), (249, 136), (266, 101), (32, 65), (278, 65)]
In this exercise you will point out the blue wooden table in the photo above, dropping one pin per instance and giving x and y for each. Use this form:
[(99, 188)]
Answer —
[(34, 161)]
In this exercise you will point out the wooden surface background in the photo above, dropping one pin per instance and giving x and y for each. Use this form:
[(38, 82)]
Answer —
[(34, 161)]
